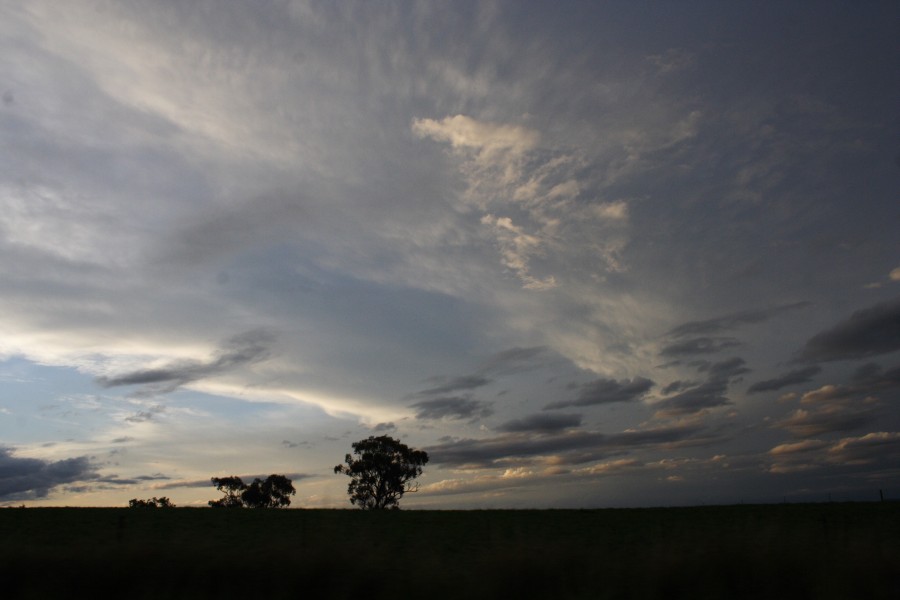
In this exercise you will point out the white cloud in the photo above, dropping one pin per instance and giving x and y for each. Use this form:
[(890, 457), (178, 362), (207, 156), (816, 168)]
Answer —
[(551, 218), (615, 211), (516, 250), (490, 140)]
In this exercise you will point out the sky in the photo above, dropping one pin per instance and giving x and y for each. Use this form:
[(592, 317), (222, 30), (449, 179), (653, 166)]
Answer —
[(585, 254)]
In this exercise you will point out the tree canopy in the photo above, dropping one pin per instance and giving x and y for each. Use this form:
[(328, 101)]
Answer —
[(382, 470), (151, 503), (273, 492)]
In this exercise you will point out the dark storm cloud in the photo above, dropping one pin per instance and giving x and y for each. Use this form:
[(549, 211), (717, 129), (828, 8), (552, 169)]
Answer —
[(451, 407), (28, 478), (242, 349), (573, 446), (701, 345), (607, 391), (465, 382), (734, 320), (726, 369), (677, 386), (709, 394), (790, 378), (384, 427), (507, 362), (116, 480), (872, 376), (868, 332), (540, 422), (514, 360), (706, 395)]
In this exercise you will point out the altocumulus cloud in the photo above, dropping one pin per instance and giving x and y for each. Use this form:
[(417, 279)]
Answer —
[(28, 478)]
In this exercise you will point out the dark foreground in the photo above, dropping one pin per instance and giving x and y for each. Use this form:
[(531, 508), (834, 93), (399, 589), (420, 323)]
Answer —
[(784, 551)]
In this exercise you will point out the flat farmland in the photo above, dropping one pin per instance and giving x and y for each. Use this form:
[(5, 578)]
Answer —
[(766, 551)]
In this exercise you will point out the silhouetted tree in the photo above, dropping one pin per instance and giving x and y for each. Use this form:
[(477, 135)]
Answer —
[(274, 492), (151, 503), (382, 472), (232, 487)]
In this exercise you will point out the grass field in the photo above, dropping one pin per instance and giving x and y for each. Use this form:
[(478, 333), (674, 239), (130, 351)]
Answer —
[(778, 551)]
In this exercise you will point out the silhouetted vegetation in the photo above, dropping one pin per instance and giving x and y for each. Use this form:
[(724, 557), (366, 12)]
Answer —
[(153, 502), (383, 470), (822, 551), (273, 492)]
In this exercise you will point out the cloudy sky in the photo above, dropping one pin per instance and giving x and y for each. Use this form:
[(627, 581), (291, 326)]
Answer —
[(584, 254)]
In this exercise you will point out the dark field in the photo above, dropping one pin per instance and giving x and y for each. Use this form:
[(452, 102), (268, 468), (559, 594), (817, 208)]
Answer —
[(781, 551)]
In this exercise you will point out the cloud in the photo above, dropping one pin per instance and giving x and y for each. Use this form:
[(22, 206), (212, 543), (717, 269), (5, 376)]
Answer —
[(213, 171), (207, 483), (451, 407), (514, 360), (872, 447), (790, 378), (709, 394), (701, 345), (243, 349), (734, 320), (868, 332), (874, 454), (607, 391), (464, 382), (506, 362), (725, 369), (672, 60), (142, 416), (839, 408), (677, 386), (831, 417), (535, 202), (184, 483), (872, 376), (797, 447), (510, 478), (571, 446), (517, 249), (29, 478), (380, 427), (116, 480), (540, 422), (488, 139)]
